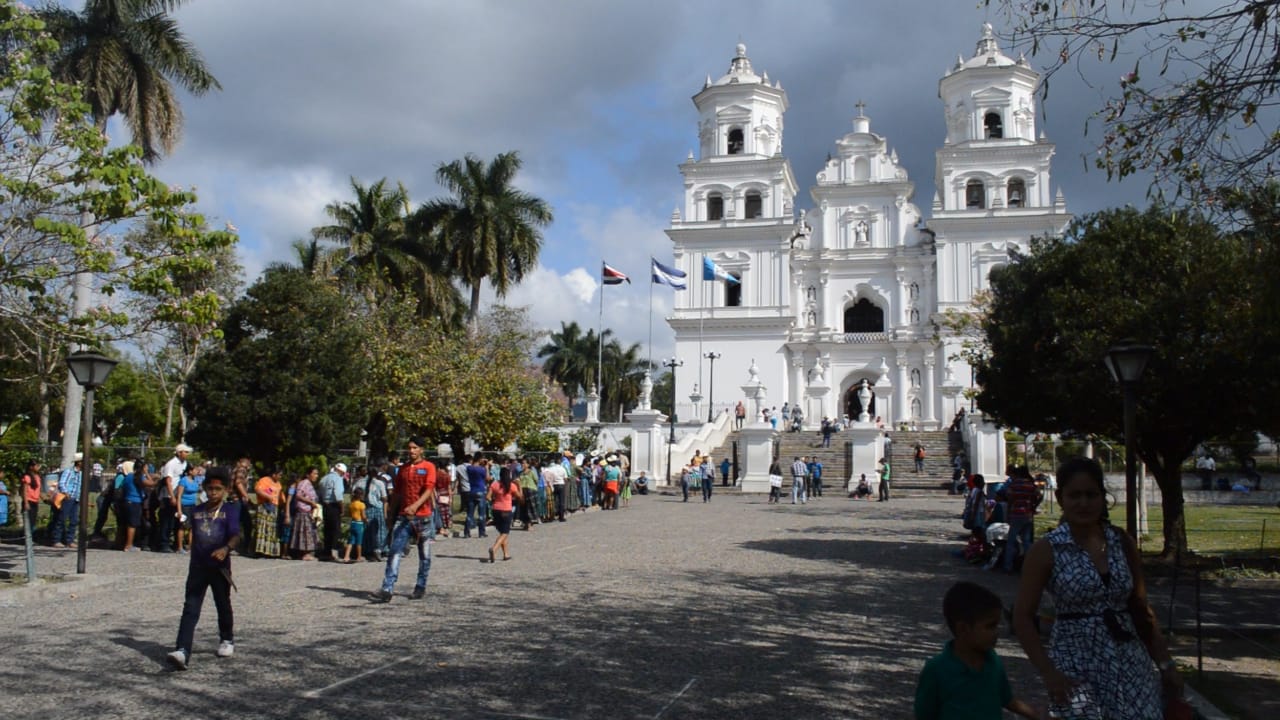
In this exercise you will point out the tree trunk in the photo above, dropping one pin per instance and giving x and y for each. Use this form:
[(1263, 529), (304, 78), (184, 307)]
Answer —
[(42, 423), (168, 418), (1169, 478), (475, 306), (377, 437)]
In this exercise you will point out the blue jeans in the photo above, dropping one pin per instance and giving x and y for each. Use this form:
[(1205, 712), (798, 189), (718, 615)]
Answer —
[(406, 529), (375, 532), (1021, 535), (473, 506), (65, 522), (797, 490), (584, 491)]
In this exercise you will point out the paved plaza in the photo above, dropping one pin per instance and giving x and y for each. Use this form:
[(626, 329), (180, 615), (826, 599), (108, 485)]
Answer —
[(665, 609)]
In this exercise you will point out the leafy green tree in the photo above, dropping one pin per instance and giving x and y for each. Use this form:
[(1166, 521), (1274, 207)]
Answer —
[(492, 229), (58, 178), (287, 378), (451, 385), (662, 389), (377, 254), (129, 403), (1164, 276), (623, 370), (1198, 104)]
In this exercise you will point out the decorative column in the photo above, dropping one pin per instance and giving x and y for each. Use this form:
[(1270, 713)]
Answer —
[(648, 448), (900, 309), (757, 438), (866, 440), (815, 408), (901, 407), (930, 419), (593, 407)]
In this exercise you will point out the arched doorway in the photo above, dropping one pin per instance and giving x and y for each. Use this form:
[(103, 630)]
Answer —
[(853, 404)]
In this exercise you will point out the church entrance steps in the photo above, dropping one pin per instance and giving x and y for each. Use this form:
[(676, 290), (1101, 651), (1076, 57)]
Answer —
[(939, 448)]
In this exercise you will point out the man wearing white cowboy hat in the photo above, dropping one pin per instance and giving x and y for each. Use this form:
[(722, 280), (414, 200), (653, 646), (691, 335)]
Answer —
[(167, 492), (66, 505)]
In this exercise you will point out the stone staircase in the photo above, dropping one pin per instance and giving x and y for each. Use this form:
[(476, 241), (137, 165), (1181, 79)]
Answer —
[(939, 447)]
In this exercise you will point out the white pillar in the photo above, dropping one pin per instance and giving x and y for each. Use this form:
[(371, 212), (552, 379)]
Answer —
[(758, 441), (648, 451), (930, 419), (901, 407)]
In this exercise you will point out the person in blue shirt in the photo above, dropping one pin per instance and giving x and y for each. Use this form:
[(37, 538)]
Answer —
[(66, 516), (188, 498)]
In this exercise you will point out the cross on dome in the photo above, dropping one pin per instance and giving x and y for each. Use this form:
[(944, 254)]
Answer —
[(861, 106)]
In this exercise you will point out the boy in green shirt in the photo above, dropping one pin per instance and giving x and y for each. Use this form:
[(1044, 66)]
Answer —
[(967, 681)]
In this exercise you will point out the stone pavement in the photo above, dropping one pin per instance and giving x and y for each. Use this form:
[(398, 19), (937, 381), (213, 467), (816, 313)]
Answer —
[(735, 608)]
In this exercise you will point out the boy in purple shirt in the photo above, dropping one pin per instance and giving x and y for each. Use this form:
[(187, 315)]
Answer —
[(215, 529)]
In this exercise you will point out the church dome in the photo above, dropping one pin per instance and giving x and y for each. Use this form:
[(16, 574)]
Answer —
[(987, 53), (740, 71)]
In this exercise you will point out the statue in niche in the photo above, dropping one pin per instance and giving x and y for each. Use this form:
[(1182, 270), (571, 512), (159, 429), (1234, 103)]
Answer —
[(817, 375), (812, 293), (914, 316), (915, 291), (860, 233), (812, 318), (915, 377)]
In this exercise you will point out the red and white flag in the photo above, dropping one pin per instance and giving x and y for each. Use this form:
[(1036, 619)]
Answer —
[(612, 276)]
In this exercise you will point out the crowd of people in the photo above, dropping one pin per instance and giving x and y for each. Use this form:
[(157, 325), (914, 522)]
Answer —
[(1000, 517)]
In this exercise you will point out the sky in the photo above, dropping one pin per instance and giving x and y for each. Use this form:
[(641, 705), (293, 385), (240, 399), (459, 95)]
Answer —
[(594, 95)]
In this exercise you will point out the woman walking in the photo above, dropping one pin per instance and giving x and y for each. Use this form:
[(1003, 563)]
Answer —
[(303, 537), (1107, 657), (502, 497)]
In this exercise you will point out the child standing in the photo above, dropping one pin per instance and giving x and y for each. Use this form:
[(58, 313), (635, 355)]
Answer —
[(356, 532), (967, 679), (215, 533)]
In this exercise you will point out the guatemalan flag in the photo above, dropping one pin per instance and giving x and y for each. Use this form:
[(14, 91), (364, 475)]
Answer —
[(612, 276), (712, 271), (664, 275)]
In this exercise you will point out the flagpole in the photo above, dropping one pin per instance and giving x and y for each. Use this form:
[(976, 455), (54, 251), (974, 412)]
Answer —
[(600, 337), (651, 284)]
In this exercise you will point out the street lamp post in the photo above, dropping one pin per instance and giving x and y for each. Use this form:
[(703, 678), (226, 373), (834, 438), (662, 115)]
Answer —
[(672, 364), (90, 370), (1126, 360), (711, 386)]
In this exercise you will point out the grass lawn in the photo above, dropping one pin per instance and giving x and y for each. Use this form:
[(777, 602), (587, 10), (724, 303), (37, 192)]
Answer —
[(1211, 529)]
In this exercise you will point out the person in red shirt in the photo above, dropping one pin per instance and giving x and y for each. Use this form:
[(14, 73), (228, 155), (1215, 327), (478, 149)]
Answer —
[(411, 503), (31, 487)]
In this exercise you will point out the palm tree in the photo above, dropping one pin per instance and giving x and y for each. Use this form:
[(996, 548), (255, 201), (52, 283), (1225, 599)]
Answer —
[(377, 250), (491, 229), (124, 55), (127, 55), (570, 358), (623, 372)]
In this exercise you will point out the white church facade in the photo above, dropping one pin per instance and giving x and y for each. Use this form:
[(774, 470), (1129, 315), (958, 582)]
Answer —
[(856, 288)]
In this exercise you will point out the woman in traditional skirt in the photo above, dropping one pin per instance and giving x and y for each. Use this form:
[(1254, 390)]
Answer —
[(267, 489), (302, 539)]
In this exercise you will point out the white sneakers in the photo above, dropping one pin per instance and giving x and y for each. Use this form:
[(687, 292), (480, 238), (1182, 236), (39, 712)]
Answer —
[(178, 659)]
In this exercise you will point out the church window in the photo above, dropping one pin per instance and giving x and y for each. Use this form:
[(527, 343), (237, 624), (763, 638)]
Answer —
[(733, 291), (863, 316), (993, 125), (1017, 193), (715, 206), (975, 195), (735, 141), (754, 205)]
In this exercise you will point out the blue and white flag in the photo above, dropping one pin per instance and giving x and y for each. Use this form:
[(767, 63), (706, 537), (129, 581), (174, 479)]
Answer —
[(712, 271), (673, 277)]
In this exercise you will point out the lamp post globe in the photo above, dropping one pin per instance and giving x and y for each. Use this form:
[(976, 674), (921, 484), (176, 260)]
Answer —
[(90, 369), (1126, 361)]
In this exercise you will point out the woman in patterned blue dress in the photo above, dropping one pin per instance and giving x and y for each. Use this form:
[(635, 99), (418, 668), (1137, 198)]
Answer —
[(1099, 661)]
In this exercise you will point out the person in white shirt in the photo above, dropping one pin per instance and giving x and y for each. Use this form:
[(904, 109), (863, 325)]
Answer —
[(167, 494), (555, 476)]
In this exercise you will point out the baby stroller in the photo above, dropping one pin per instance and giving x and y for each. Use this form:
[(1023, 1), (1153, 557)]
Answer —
[(997, 538)]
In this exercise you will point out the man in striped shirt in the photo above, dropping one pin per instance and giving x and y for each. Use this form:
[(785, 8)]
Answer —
[(66, 517)]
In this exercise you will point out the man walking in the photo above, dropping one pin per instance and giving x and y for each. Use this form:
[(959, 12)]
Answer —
[(739, 414), (412, 500), (477, 485), (884, 480), (919, 456), (331, 490), (827, 429), (798, 472), (815, 476), (166, 494)]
